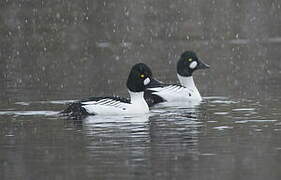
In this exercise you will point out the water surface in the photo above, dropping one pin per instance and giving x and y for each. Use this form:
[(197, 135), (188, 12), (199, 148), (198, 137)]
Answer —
[(221, 138)]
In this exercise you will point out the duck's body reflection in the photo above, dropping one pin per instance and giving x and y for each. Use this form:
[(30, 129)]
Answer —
[(139, 141), (91, 120)]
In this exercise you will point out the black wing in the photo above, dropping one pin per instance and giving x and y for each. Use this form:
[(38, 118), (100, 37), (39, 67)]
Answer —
[(115, 98), (152, 99), (76, 110)]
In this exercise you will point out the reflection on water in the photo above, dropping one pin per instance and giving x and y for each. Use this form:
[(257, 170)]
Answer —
[(221, 137), (28, 113)]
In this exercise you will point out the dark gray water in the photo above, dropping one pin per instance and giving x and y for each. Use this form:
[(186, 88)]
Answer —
[(53, 52)]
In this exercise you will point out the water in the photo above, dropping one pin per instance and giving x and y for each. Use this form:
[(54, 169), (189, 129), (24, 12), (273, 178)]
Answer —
[(55, 52), (221, 138)]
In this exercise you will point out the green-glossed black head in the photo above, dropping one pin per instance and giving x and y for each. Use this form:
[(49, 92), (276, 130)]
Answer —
[(188, 63), (139, 77)]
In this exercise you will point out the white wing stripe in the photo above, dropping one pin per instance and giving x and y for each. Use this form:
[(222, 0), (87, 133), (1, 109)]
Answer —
[(111, 103), (171, 89), (104, 102), (107, 102)]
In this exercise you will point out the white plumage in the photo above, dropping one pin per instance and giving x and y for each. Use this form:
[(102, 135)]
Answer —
[(109, 106), (138, 79), (184, 92)]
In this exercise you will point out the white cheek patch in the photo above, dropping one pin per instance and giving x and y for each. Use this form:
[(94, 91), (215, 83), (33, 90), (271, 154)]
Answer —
[(146, 81), (193, 65)]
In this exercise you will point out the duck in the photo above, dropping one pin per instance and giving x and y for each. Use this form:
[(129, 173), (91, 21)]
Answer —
[(159, 92), (139, 77)]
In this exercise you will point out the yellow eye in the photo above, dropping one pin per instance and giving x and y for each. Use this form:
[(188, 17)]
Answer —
[(190, 59), (142, 75)]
